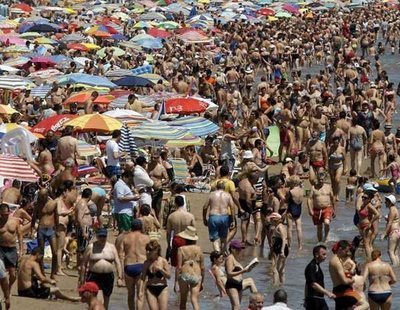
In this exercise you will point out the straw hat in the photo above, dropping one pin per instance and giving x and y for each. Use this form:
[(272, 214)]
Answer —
[(190, 233)]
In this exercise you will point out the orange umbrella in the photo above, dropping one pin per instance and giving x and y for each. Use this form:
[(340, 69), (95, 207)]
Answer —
[(23, 6), (101, 34), (82, 97), (95, 122), (77, 47)]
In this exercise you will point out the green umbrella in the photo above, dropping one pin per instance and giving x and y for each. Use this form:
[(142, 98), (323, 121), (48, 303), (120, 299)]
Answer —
[(168, 25), (117, 52), (283, 15)]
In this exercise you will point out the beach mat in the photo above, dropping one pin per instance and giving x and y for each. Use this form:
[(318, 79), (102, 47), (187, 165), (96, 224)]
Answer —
[(273, 140)]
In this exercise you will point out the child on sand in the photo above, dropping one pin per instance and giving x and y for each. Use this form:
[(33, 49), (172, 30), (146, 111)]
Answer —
[(351, 185)]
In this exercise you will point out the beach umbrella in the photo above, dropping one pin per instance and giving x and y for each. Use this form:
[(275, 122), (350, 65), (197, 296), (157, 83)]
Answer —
[(14, 82), (84, 96), (73, 37), (8, 69), (85, 150), (142, 36), (38, 27), (22, 6), (127, 142), (41, 91), (185, 106), (154, 78), (44, 40), (266, 12), (124, 115), (30, 35), (16, 49), (198, 126), (86, 79), (119, 37), (282, 14), (187, 140), (45, 74), (158, 33), (118, 73), (43, 60), (77, 47), (12, 40), (151, 43), (142, 24), (157, 130), (15, 168), (117, 52), (169, 25), (133, 81), (101, 34), (53, 123), (152, 16), (121, 15), (95, 122), (6, 109), (291, 9), (131, 45)]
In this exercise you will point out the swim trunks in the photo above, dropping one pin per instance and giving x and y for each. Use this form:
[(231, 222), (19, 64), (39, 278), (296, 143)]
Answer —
[(9, 256), (322, 214), (346, 297), (218, 226), (133, 270)]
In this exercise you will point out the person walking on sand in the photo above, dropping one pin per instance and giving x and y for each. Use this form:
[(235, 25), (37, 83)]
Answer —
[(97, 265), (392, 231), (88, 293), (315, 286), (221, 210), (321, 206), (133, 249)]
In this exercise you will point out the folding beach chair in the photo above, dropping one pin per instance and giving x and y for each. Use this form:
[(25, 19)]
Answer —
[(182, 175)]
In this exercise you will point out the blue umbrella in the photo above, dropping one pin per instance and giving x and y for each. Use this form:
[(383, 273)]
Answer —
[(60, 58), (39, 27), (150, 43), (136, 81), (119, 37), (86, 79)]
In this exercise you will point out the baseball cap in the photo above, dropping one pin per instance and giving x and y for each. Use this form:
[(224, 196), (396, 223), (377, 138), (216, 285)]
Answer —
[(91, 287), (102, 232), (248, 155), (368, 187), (236, 244), (391, 198)]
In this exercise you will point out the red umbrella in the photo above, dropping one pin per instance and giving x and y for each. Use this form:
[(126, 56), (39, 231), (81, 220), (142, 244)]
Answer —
[(291, 9), (43, 60), (77, 47), (84, 96), (266, 12), (53, 123), (120, 92), (23, 6), (185, 106), (158, 33)]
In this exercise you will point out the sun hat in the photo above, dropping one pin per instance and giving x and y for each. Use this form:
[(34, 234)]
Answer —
[(190, 233), (368, 187), (391, 198), (236, 244), (91, 287), (248, 155)]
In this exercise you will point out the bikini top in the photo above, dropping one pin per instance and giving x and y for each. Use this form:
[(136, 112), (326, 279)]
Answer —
[(335, 156), (151, 275), (363, 213)]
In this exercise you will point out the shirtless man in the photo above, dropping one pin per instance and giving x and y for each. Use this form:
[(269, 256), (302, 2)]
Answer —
[(67, 146), (221, 209), (247, 201), (232, 77), (10, 232), (88, 293), (321, 206), (178, 220), (319, 123), (159, 175), (318, 155), (346, 297), (182, 87), (84, 223), (97, 265), (12, 195), (133, 249), (28, 275)]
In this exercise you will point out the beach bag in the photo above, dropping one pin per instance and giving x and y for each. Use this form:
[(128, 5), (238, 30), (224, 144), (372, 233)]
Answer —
[(356, 143)]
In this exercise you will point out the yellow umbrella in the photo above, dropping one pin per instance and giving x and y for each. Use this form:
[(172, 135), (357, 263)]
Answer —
[(69, 11), (44, 40), (95, 122), (6, 109), (154, 78), (204, 1), (303, 10), (272, 18), (91, 46)]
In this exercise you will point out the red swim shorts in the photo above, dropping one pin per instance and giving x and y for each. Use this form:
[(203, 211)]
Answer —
[(322, 214)]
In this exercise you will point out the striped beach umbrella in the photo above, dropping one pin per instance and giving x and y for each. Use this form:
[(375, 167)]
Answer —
[(95, 122), (157, 130), (14, 167), (198, 126), (127, 142), (41, 91), (14, 82)]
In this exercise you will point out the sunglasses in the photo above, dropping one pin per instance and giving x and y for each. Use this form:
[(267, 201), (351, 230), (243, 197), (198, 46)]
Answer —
[(364, 197)]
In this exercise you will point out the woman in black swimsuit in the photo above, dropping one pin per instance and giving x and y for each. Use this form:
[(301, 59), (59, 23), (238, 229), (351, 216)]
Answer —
[(234, 272), (155, 273)]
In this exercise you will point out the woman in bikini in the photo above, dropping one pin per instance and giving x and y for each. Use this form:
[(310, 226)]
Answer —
[(295, 201), (367, 215), (190, 268), (377, 149), (381, 277), (44, 165), (234, 273), (392, 231), (280, 248), (156, 272), (337, 165)]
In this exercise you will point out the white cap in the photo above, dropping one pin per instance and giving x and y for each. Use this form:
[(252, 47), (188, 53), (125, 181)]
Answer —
[(248, 155), (288, 159), (391, 198)]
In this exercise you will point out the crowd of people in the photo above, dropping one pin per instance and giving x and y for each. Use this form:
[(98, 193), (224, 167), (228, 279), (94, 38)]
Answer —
[(329, 123)]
